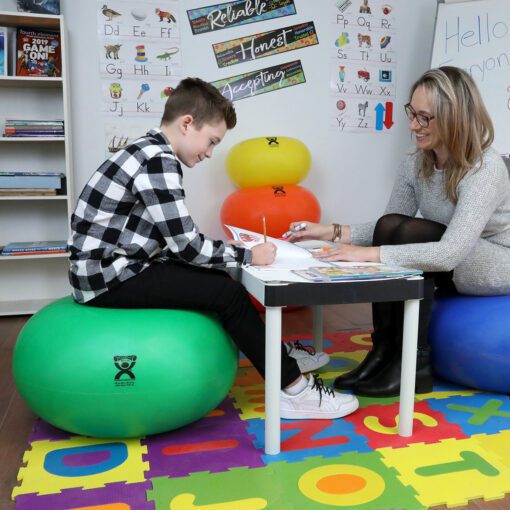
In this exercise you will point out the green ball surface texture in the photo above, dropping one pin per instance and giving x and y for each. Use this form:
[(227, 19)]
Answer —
[(105, 372)]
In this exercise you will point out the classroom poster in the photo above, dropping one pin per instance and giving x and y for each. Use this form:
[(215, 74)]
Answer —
[(265, 44), (239, 12), (140, 62), (363, 68), (261, 81)]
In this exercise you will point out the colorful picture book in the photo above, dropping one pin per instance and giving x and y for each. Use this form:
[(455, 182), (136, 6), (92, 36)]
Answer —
[(350, 271), (38, 53), (39, 6), (34, 248)]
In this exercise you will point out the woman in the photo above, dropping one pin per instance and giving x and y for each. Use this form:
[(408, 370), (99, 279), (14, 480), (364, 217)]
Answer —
[(461, 187)]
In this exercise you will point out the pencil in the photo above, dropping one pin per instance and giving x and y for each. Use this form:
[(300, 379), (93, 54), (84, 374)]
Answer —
[(264, 228)]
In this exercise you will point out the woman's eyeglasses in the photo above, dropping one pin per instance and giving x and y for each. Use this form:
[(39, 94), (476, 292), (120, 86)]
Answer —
[(422, 119)]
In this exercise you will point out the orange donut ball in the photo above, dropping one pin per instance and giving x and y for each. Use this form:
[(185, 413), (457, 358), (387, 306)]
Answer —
[(268, 160), (279, 204)]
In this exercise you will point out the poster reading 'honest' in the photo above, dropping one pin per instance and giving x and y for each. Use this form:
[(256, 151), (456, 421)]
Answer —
[(265, 44)]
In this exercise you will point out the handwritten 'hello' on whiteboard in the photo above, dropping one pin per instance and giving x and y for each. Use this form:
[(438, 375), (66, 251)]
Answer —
[(476, 36)]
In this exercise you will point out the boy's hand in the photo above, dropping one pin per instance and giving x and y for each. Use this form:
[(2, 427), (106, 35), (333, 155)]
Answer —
[(235, 242), (263, 254)]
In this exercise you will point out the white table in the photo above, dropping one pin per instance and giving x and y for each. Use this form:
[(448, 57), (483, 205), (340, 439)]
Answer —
[(275, 295)]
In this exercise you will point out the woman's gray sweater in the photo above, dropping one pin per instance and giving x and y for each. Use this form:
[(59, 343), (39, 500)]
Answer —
[(476, 243)]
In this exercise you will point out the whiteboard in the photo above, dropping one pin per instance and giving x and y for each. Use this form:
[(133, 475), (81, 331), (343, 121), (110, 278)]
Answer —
[(476, 37)]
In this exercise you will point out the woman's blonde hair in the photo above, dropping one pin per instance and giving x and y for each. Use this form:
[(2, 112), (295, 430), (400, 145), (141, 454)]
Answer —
[(464, 125)]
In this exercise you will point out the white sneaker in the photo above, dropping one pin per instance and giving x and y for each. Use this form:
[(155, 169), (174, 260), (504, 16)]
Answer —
[(306, 356), (316, 402)]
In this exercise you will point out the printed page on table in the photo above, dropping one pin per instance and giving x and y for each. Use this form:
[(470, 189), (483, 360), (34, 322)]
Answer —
[(288, 255)]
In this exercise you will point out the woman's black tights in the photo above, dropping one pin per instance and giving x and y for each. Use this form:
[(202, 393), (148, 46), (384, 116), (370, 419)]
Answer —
[(388, 317)]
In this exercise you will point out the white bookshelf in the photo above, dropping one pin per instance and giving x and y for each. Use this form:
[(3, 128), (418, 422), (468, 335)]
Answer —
[(29, 282)]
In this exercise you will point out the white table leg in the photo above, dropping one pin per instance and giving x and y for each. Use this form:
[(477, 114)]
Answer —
[(318, 328), (273, 379), (408, 377)]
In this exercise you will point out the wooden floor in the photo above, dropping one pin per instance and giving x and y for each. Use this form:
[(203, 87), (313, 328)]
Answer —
[(16, 419)]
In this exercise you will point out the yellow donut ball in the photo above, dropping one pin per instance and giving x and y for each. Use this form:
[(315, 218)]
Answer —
[(268, 160)]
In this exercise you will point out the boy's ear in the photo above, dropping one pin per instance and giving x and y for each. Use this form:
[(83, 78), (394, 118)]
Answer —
[(185, 122)]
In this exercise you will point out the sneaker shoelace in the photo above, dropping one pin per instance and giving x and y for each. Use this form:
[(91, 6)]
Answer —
[(300, 347), (318, 383)]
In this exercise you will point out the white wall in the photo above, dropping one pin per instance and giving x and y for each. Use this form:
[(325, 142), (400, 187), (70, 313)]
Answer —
[(351, 174)]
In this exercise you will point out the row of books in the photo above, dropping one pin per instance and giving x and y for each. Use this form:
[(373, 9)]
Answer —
[(34, 248), (33, 128), (30, 183), (27, 52)]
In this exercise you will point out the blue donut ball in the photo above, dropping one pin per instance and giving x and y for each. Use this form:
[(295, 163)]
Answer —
[(470, 341)]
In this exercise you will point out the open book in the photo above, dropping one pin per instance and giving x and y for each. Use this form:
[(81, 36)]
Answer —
[(295, 262), (288, 255)]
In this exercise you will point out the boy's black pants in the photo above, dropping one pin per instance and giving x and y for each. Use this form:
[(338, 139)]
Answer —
[(183, 286)]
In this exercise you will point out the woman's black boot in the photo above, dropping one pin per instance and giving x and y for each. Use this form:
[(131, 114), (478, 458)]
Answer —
[(374, 363), (387, 382)]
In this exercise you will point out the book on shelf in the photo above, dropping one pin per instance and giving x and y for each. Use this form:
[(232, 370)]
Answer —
[(3, 51), (29, 247), (349, 271), (31, 180), (15, 128), (39, 6), (25, 253), (27, 192), (38, 53)]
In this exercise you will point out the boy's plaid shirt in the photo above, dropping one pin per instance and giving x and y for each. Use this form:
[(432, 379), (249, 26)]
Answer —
[(132, 213)]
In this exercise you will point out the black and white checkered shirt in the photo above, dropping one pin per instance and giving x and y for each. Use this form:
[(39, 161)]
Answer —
[(132, 213)]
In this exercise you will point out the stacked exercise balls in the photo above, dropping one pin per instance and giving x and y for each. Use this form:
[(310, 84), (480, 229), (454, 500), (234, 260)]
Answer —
[(267, 170), (105, 372)]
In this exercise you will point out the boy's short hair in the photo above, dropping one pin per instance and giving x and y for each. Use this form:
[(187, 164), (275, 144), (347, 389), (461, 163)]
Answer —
[(202, 101)]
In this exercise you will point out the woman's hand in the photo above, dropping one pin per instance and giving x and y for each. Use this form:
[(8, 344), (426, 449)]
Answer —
[(349, 253), (263, 254), (301, 230)]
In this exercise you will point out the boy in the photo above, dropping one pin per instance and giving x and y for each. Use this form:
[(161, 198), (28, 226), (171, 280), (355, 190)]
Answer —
[(134, 245)]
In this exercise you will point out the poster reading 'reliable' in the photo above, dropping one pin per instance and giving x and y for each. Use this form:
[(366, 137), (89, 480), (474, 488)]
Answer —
[(240, 12), (363, 65)]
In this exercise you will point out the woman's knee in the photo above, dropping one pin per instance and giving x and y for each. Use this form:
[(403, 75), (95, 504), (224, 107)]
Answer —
[(386, 227)]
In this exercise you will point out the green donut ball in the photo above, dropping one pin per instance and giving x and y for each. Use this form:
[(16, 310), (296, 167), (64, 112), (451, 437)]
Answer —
[(106, 372)]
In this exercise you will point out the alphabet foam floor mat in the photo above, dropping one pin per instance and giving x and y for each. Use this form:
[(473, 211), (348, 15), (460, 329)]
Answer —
[(459, 451)]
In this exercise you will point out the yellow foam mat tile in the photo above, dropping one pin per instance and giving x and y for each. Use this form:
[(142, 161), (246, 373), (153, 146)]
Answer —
[(249, 400), (80, 462), (497, 444), (451, 472)]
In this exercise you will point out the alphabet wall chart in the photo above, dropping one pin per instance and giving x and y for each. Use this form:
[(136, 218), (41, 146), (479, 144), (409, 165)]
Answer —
[(363, 65), (140, 62)]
